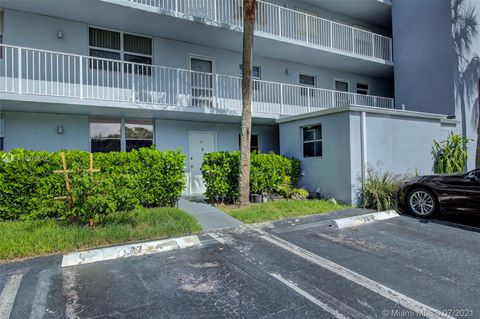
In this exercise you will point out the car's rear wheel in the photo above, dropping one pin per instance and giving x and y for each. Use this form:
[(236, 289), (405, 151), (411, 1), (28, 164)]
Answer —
[(422, 202)]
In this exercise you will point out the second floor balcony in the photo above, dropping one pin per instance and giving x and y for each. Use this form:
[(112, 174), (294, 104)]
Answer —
[(282, 23), (32, 72)]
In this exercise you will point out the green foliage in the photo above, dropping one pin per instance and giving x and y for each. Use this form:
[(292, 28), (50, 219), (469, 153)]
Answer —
[(380, 190), (450, 156), (144, 177), (279, 209), (288, 191), (36, 237), (221, 172)]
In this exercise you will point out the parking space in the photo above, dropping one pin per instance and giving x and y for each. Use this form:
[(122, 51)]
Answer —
[(300, 268)]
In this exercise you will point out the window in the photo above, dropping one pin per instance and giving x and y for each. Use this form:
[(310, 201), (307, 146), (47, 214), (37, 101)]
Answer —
[(306, 80), (256, 75), (312, 141), (115, 45), (105, 135), (341, 86), (362, 88), (138, 133), (253, 143), (115, 135), (256, 72)]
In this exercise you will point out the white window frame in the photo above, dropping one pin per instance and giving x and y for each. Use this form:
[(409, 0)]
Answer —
[(123, 136), (122, 52), (302, 131), (310, 75), (191, 56)]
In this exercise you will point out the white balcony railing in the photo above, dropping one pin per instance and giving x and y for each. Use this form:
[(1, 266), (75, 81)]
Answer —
[(41, 72), (284, 23)]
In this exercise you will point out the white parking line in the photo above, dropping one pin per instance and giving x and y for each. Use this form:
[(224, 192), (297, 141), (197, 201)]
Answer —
[(363, 281), (308, 296), (9, 293), (41, 293)]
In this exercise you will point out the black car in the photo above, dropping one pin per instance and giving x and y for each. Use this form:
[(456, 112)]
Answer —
[(426, 195)]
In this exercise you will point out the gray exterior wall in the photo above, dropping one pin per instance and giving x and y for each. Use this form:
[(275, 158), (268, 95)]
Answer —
[(423, 55), (170, 134), (38, 131), (397, 142), (38, 31), (329, 174)]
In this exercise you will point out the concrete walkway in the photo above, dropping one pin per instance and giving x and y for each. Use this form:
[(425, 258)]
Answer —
[(208, 216)]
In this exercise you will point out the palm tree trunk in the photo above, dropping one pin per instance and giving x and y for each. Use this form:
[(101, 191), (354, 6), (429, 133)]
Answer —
[(249, 11)]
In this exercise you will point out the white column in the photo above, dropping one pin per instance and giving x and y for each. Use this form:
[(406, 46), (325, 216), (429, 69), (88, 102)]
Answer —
[(363, 125), (19, 69)]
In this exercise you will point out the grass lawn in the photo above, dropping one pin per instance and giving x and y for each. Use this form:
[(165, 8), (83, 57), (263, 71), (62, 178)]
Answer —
[(31, 238), (256, 213)]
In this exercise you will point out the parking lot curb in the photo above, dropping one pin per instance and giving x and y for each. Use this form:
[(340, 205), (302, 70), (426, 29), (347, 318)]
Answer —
[(355, 221), (138, 249)]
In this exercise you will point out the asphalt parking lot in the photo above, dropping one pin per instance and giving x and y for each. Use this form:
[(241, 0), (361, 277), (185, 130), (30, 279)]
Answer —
[(302, 268)]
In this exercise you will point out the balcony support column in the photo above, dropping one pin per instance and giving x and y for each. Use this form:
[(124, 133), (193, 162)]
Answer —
[(281, 99), (81, 77), (20, 71)]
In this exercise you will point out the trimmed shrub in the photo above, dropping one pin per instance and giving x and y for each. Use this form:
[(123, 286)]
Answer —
[(144, 177), (267, 171)]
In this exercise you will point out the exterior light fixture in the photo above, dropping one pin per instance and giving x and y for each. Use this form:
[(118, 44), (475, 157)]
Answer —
[(60, 34), (60, 129)]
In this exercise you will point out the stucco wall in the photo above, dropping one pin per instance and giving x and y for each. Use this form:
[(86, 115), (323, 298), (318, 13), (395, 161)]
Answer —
[(330, 174), (171, 134), (40, 32), (397, 143), (38, 131), (423, 53)]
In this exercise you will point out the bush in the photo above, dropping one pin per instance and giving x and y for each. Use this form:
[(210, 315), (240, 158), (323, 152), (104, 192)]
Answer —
[(144, 177), (288, 191), (450, 156), (267, 171), (380, 191)]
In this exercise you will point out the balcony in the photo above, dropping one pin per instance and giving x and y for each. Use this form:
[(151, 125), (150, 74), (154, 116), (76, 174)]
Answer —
[(280, 23), (32, 72)]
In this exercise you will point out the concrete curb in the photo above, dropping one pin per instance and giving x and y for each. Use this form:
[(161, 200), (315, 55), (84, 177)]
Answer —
[(364, 219), (139, 249)]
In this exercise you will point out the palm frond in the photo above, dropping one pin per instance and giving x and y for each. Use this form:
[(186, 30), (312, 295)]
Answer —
[(474, 116), (470, 77)]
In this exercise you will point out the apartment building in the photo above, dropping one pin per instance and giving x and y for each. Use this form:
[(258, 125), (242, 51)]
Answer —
[(115, 75)]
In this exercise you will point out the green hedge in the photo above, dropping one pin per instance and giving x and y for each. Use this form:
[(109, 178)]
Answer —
[(144, 177), (267, 171)]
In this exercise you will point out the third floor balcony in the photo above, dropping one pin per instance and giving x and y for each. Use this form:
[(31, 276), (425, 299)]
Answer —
[(279, 22)]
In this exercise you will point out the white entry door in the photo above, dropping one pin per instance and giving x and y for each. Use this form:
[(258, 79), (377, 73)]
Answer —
[(200, 143)]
